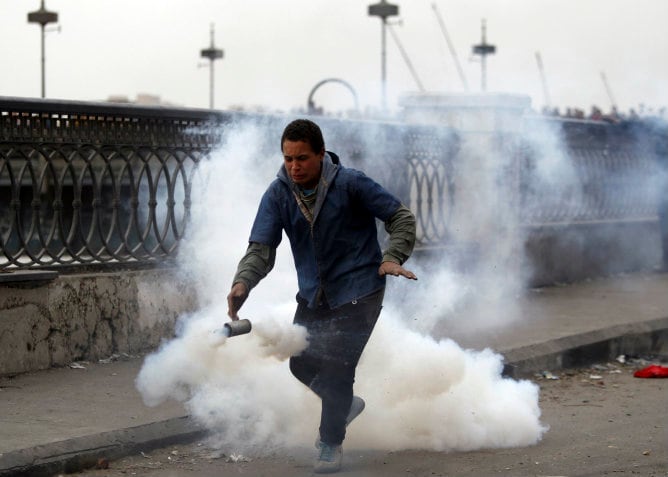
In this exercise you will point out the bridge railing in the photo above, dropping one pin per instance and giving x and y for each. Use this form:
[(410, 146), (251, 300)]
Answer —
[(602, 172), (91, 183)]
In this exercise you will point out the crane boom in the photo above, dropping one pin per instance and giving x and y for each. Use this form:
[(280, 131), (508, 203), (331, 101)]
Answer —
[(453, 52), (608, 90), (543, 79), (406, 58)]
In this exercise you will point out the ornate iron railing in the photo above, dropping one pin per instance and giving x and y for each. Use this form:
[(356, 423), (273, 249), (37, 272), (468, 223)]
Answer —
[(91, 183), (88, 183), (415, 162), (430, 158), (595, 172)]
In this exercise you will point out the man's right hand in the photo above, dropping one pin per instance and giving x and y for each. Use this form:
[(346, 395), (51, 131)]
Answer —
[(236, 299)]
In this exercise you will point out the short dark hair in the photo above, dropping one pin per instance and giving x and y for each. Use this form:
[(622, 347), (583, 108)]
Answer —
[(304, 130)]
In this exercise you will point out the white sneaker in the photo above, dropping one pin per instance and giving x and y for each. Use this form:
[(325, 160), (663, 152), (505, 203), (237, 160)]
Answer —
[(356, 408), (329, 459)]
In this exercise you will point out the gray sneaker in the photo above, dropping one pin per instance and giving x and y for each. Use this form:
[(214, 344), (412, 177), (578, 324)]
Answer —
[(356, 408), (329, 459)]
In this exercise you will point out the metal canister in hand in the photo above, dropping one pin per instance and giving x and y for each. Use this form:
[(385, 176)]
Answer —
[(237, 327)]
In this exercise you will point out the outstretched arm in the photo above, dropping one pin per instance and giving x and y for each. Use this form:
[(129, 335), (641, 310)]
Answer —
[(401, 227)]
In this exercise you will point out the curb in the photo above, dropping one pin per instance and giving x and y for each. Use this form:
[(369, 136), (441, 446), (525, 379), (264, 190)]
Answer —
[(73, 455), (645, 338)]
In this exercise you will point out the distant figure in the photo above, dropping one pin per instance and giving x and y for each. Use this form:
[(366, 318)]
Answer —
[(596, 114), (613, 116)]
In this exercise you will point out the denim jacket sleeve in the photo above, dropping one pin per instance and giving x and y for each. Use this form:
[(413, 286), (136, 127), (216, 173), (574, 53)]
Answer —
[(268, 226)]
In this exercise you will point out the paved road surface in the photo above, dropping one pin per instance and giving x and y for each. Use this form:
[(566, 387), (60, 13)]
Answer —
[(603, 422), (65, 418)]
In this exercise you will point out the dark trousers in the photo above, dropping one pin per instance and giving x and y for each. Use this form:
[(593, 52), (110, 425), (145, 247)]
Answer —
[(327, 366)]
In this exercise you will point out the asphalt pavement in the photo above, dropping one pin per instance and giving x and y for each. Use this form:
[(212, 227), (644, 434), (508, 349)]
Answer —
[(65, 419)]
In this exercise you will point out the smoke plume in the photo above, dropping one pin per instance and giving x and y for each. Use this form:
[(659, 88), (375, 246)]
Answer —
[(421, 392)]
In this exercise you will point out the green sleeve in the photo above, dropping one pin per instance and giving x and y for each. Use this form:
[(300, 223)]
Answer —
[(255, 265), (401, 227)]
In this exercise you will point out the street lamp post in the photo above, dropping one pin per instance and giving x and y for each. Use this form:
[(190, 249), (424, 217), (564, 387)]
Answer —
[(43, 17), (483, 49), (383, 10), (212, 54)]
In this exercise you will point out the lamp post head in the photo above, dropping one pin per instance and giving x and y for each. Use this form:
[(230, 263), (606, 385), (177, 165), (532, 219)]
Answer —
[(383, 10), (484, 48), (211, 53), (42, 16)]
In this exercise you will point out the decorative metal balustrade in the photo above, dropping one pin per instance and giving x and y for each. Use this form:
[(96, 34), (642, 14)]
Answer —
[(87, 183), (91, 183), (595, 172), (430, 159), (415, 162)]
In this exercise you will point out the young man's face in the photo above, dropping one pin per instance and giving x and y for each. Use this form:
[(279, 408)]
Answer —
[(302, 164)]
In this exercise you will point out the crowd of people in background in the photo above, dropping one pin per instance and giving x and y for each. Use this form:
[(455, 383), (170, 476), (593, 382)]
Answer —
[(614, 116), (595, 114)]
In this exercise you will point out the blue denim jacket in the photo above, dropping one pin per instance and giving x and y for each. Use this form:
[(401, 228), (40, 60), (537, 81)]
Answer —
[(338, 253)]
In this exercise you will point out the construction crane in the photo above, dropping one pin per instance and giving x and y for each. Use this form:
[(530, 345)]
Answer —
[(453, 52), (543, 79), (406, 58), (608, 90)]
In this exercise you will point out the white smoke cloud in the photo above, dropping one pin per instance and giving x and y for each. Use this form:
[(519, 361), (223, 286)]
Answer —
[(421, 393), (435, 395)]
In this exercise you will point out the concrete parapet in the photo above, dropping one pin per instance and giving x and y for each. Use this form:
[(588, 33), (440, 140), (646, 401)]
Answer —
[(88, 317), (468, 112), (564, 253)]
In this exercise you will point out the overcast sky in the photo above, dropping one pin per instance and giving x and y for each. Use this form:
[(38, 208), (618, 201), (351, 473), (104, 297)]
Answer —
[(277, 51)]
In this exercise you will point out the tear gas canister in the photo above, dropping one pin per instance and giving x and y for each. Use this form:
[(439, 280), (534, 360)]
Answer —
[(236, 328)]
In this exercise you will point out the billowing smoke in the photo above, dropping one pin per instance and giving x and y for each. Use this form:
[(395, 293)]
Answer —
[(590, 197), (421, 392)]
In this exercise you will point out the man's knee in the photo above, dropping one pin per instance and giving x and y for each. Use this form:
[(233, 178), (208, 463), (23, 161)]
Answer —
[(338, 375), (297, 367), (304, 369)]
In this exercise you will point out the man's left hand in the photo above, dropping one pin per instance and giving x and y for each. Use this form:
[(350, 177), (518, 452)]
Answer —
[(392, 268)]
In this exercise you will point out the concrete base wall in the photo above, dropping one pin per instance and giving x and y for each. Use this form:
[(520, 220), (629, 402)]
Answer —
[(88, 317), (560, 254), (575, 252)]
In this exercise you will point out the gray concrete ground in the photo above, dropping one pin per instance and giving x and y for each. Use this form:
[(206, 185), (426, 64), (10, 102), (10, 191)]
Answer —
[(65, 419), (602, 422)]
